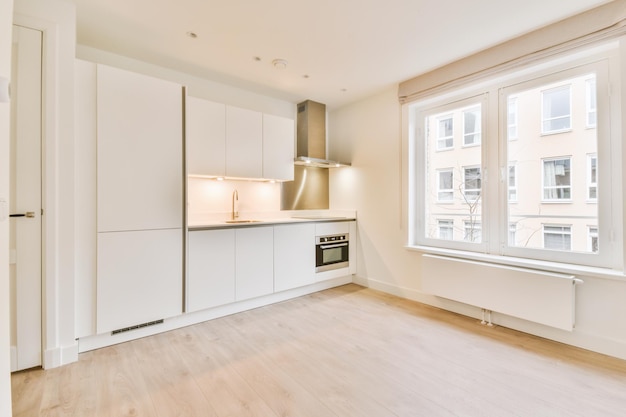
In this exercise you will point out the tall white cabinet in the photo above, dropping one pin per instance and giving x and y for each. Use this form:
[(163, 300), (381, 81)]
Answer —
[(139, 199)]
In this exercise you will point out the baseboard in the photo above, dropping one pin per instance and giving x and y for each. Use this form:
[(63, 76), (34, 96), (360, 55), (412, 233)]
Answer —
[(59, 356), (102, 340), (13, 350), (605, 346)]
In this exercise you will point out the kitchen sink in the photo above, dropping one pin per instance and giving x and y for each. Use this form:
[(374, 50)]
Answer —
[(242, 221)]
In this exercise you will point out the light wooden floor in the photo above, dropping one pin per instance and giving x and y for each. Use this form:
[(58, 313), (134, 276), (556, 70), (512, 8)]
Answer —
[(344, 352)]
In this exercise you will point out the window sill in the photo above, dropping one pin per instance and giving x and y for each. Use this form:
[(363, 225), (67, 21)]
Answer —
[(565, 268)]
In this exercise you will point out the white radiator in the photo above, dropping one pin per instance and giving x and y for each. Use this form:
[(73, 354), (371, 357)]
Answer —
[(538, 296)]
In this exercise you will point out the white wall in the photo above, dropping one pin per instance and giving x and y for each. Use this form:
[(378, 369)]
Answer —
[(6, 13), (368, 133)]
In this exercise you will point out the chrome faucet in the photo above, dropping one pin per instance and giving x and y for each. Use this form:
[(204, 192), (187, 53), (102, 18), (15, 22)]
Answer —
[(235, 212)]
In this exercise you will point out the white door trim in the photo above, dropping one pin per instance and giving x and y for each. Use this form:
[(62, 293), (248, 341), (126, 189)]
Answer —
[(59, 344)]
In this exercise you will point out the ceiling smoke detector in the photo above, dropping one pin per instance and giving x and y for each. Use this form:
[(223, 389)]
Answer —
[(280, 64)]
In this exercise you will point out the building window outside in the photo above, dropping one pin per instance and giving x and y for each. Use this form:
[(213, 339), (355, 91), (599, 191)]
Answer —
[(557, 237), (591, 99), (592, 239), (557, 182), (471, 126), (471, 183), (512, 118), (445, 184), (445, 132), (592, 177), (556, 110), (512, 182), (445, 229), (472, 231)]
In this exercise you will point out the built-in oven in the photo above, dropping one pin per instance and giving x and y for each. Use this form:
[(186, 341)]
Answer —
[(331, 252)]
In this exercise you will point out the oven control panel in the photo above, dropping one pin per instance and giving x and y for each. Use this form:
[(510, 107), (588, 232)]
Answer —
[(332, 238)]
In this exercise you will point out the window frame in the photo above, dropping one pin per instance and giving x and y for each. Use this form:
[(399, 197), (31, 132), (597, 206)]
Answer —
[(590, 183), (595, 58)]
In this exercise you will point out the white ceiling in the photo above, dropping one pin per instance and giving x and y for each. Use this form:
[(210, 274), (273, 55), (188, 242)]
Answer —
[(349, 49)]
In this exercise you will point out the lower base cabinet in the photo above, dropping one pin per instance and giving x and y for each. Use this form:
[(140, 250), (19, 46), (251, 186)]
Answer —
[(139, 277), (254, 262), (211, 269), (294, 256)]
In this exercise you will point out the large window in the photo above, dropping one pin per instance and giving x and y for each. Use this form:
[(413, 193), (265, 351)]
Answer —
[(535, 197)]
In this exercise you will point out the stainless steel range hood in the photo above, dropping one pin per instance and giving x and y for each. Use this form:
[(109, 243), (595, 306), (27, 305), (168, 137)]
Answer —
[(311, 136), (309, 190)]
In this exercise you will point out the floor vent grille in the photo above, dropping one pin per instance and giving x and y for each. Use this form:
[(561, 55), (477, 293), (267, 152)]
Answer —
[(137, 326)]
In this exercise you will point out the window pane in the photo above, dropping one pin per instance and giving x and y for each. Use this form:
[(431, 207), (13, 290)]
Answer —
[(553, 177), (453, 182)]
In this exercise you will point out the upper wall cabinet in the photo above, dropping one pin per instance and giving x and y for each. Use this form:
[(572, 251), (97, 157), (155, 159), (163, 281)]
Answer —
[(278, 147), (206, 137), (139, 151), (244, 143), (234, 142)]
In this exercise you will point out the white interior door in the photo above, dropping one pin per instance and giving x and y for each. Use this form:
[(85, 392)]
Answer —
[(25, 199)]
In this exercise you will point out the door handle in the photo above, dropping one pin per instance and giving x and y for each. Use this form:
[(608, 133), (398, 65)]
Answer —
[(28, 214)]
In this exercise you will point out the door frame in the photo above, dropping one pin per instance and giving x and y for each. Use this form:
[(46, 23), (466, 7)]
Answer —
[(57, 25)]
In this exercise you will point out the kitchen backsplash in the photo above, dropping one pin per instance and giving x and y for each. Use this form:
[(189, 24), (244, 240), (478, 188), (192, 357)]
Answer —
[(212, 197)]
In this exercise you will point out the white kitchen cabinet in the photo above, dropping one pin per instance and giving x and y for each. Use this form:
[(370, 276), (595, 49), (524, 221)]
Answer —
[(278, 148), (211, 270), (139, 199), (205, 137), (139, 167), (254, 262), (244, 143), (294, 256), (139, 277)]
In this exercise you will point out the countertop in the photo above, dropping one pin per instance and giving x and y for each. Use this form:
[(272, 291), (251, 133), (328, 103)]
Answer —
[(250, 219)]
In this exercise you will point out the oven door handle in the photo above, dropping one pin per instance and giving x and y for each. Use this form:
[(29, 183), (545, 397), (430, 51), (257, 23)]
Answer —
[(338, 245)]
